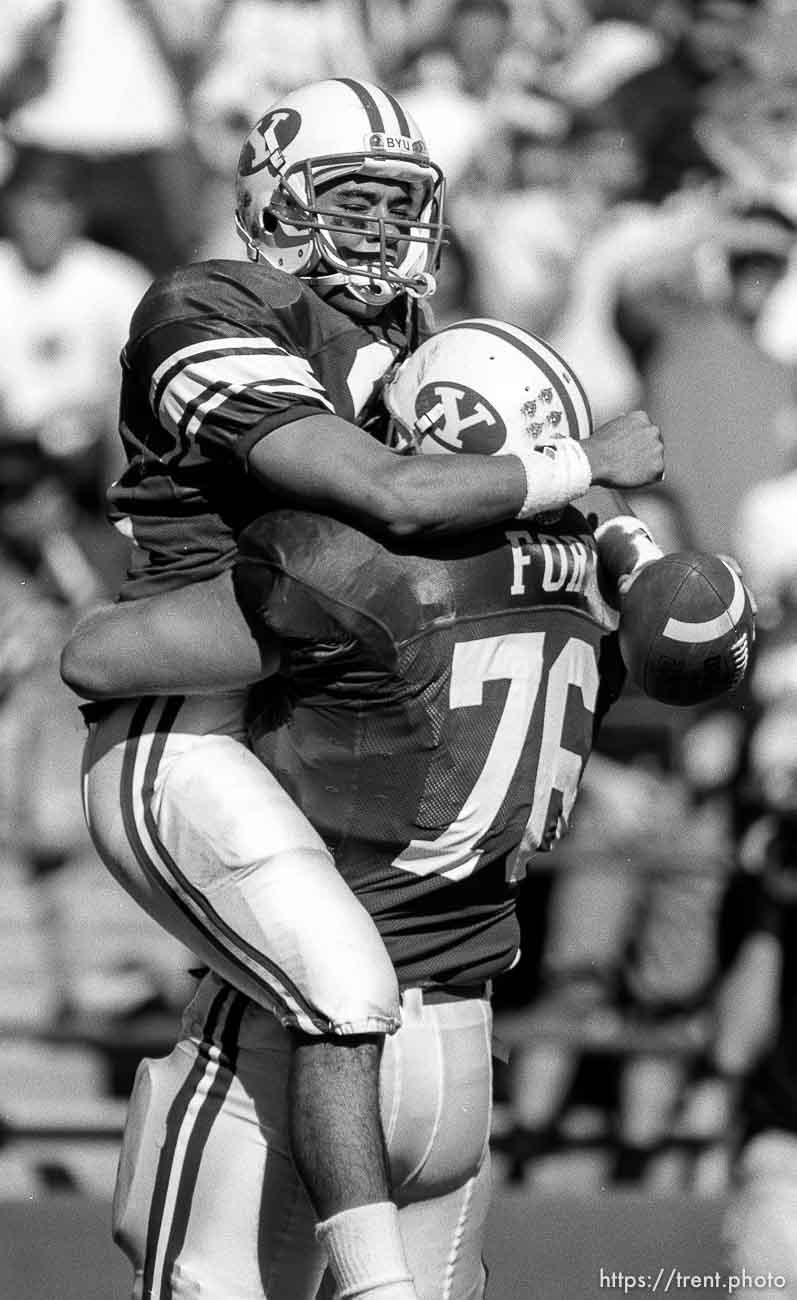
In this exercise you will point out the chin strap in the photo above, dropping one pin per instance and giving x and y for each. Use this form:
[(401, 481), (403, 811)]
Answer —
[(340, 280), (363, 287)]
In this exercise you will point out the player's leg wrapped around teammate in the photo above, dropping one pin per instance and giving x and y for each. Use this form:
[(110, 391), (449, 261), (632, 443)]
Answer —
[(215, 1111), (204, 838)]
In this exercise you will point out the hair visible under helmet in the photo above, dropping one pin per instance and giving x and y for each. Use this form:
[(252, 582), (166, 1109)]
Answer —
[(323, 133)]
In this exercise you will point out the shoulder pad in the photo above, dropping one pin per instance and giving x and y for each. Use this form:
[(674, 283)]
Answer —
[(217, 288)]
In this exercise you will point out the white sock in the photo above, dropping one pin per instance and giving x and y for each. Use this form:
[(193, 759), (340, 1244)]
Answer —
[(366, 1253)]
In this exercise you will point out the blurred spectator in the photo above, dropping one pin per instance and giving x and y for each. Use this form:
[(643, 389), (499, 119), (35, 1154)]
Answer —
[(186, 33), (766, 538), (764, 294), (774, 51), (524, 239), (747, 122), (532, 243), (756, 1036), (262, 49), (620, 240), (758, 244), (471, 86), (28, 33), (658, 107), (756, 1040), (109, 96), (67, 306), (615, 41), (456, 297), (774, 323), (571, 253)]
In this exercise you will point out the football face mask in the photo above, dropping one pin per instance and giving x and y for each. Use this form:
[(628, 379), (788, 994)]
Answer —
[(485, 387), (326, 133)]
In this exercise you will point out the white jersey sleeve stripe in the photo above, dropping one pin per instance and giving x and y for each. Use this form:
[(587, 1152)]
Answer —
[(192, 419), (215, 347), (184, 394)]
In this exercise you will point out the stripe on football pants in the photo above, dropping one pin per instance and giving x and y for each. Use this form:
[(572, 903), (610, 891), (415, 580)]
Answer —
[(145, 749), (174, 1123), (188, 1125), (196, 1138)]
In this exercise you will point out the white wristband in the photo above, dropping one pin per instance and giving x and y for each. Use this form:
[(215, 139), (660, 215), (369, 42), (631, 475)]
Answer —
[(556, 474)]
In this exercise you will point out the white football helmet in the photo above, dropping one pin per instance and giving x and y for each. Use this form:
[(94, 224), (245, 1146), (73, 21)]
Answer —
[(484, 386), (324, 132)]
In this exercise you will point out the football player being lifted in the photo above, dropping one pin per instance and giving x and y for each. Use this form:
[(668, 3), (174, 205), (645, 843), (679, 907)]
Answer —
[(244, 387), (445, 694)]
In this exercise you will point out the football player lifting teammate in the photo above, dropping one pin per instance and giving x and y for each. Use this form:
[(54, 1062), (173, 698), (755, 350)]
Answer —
[(444, 696), (245, 386)]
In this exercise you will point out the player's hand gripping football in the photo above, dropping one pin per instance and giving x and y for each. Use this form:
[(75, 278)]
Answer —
[(626, 452)]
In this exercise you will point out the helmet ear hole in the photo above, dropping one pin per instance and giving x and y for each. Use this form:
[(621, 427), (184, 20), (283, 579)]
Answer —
[(268, 221)]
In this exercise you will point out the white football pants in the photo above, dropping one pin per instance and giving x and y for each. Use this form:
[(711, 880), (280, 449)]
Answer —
[(208, 1205), (196, 829)]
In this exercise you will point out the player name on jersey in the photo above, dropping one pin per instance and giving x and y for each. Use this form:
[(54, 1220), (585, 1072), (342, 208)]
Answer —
[(552, 562)]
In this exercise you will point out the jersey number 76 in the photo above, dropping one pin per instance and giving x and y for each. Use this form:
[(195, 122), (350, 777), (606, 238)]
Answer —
[(517, 657)]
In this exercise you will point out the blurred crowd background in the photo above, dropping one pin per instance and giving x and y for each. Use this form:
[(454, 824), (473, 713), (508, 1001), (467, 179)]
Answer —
[(623, 181)]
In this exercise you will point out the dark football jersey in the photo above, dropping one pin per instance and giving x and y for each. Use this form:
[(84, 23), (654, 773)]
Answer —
[(443, 703), (219, 355)]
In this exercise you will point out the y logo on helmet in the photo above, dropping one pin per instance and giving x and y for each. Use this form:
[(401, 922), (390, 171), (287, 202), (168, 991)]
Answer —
[(458, 418), (265, 144)]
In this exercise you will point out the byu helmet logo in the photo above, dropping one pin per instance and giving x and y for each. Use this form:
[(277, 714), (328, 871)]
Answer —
[(275, 131), (458, 419)]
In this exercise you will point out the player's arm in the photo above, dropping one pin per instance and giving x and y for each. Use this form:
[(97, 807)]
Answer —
[(325, 463), (194, 640), (249, 396)]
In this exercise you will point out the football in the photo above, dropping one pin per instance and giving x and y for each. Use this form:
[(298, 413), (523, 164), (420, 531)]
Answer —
[(686, 628)]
